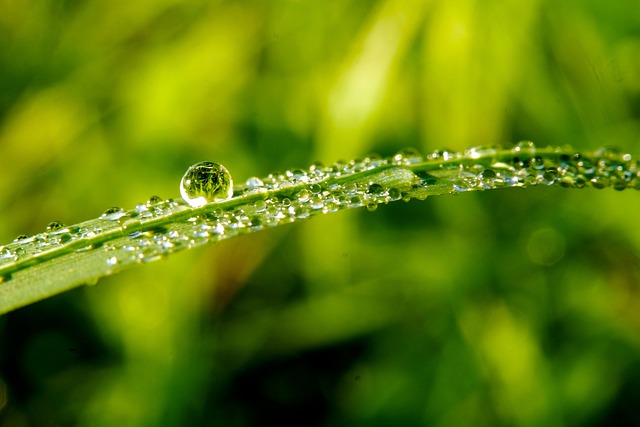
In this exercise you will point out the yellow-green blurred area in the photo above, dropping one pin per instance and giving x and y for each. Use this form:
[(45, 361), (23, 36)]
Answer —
[(509, 307)]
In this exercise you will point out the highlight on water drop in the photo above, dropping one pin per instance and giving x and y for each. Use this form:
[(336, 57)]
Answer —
[(206, 182)]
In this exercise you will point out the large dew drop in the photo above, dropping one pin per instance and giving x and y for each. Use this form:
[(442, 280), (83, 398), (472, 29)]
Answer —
[(206, 182)]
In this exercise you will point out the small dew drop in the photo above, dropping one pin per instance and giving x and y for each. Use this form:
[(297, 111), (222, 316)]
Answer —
[(255, 223), (537, 163), (394, 194), (427, 179), (579, 182), (154, 200), (619, 184), (460, 186), (407, 156), (130, 224), (599, 182), (318, 170), (297, 175), (526, 147), (317, 202), (92, 281), (567, 181), (254, 182), (488, 174), (549, 176), (478, 152), (112, 214), (375, 189), (206, 182), (54, 226), (260, 206), (315, 188), (608, 152), (303, 195), (5, 253)]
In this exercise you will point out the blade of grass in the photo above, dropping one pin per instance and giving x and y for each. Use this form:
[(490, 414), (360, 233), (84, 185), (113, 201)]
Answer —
[(36, 267)]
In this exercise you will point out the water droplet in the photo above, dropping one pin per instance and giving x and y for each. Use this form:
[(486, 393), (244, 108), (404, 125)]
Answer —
[(488, 179), (477, 152), (92, 281), (407, 156), (254, 182), (149, 254), (113, 214), (394, 194), (255, 223), (536, 162), (331, 205), (619, 184), (297, 175), (549, 176), (317, 202), (142, 209), (488, 174), (315, 188), (599, 182), (608, 152), (6, 253), (154, 200), (566, 181), (206, 182), (260, 206), (525, 147), (375, 189), (461, 185), (374, 160), (318, 171), (54, 226), (579, 182), (303, 195), (129, 224)]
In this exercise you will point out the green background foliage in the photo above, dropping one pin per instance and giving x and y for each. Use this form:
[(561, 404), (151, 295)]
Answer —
[(508, 307)]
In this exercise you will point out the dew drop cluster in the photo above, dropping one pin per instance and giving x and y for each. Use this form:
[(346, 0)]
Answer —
[(211, 209), (528, 166)]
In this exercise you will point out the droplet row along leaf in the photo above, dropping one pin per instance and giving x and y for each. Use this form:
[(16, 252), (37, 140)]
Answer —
[(120, 238)]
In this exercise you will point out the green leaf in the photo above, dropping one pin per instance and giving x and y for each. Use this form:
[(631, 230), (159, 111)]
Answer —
[(36, 267)]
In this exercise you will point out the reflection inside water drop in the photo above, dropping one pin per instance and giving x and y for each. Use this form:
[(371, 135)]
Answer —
[(206, 182)]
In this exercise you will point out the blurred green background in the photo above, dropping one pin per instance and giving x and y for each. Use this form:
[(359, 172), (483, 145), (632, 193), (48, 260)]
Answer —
[(511, 307)]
